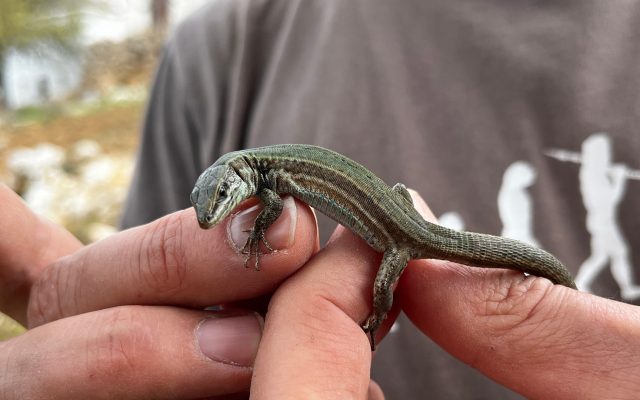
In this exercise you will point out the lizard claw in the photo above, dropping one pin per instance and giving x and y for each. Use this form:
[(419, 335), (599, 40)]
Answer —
[(370, 326), (252, 247)]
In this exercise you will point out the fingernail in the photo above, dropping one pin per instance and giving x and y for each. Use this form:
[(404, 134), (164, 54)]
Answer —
[(231, 339), (280, 235)]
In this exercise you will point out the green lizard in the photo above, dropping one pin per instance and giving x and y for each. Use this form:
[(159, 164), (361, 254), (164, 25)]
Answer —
[(354, 197)]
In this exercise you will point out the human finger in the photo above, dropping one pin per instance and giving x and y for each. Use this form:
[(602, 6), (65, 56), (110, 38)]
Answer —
[(568, 344), (173, 261), (375, 391), (313, 343), (539, 339), (28, 244), (132, 352)]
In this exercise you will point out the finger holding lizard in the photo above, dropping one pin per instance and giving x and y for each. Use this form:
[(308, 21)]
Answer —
[(313, 343), (539, 339), (171, 261), (127, 351)]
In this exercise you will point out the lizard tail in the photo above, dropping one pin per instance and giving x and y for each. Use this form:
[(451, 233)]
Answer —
[(482, 250)]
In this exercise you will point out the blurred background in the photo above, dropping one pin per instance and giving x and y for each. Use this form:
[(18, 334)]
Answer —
[(74, 78)]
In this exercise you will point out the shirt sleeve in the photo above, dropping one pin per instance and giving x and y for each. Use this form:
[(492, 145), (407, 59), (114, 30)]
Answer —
[(189, 121), (201, 104)]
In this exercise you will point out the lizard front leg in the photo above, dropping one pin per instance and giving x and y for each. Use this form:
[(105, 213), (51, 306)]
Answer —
[(393, 263), (271, 211)]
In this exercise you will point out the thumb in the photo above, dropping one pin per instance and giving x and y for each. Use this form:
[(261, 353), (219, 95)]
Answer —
[(539, 339)]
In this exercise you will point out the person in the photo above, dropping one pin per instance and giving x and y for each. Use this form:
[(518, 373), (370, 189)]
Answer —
[(117, 311), (445, 97)]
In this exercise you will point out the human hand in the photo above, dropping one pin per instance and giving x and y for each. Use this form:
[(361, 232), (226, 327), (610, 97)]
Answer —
[(542, 340), (113, 319)]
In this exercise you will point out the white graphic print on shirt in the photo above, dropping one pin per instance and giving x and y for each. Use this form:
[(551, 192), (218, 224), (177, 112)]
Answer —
[(514, 202), (602, 185)]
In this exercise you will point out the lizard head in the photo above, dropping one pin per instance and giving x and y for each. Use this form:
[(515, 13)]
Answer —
[(216, 193)]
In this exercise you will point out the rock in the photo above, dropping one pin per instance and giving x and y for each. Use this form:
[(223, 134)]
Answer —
[(83, 190)]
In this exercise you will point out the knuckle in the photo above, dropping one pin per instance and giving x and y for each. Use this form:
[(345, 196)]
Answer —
[(520, 304), (161, 257), (118, 344), (46, 301)]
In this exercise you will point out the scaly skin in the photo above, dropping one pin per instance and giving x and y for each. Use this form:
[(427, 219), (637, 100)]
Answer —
[(353, 196)]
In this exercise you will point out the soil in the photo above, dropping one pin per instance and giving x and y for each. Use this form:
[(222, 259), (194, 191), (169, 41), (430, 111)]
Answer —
[(115, 127)]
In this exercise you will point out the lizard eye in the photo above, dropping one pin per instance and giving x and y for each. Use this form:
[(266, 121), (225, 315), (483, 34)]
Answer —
[(223, 191)]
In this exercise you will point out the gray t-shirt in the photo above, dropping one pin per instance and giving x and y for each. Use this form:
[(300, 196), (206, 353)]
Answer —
[(515, 118)]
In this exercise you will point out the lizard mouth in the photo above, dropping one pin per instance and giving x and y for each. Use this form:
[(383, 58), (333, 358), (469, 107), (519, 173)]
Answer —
[(206, 222)]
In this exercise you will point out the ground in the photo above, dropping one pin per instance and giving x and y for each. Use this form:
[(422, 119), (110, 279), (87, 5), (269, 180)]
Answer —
[(115, 126)]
